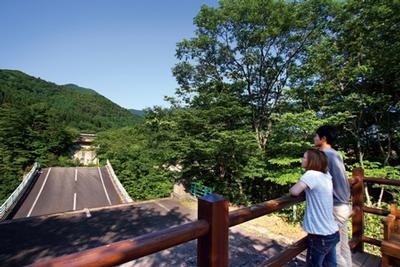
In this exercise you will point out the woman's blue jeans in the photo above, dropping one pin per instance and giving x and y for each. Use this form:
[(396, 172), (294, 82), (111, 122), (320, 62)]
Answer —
[(321, 250)]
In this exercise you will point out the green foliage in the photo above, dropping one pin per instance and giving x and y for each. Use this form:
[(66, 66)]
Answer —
[(248, 49), (28, 134), (293, 66), (352, 75), (135, 161), (373, 227)]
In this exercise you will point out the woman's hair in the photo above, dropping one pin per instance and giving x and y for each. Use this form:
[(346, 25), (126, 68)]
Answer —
[(316, 160)]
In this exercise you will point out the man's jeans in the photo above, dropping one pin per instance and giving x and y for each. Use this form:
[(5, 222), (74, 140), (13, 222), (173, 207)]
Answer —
[(342, 214), (321, 250)]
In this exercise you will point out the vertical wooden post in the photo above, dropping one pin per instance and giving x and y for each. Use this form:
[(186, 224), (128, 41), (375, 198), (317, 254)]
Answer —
[(357, 192), (212, 249)]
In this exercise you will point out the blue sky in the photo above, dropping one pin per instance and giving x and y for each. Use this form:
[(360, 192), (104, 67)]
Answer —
[(124, 49)]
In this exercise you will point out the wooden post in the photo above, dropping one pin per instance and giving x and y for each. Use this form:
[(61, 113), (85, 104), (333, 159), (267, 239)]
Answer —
[(357, 192), (212, 249)]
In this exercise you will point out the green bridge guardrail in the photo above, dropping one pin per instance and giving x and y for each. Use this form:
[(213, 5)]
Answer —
[(199, 190)]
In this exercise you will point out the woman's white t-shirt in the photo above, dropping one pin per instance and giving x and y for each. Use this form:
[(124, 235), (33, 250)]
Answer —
[(318, 218)]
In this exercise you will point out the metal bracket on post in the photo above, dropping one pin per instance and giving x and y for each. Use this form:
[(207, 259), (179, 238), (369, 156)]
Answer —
[(212, 249)]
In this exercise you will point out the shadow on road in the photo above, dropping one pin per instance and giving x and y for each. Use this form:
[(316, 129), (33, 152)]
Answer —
[(25, 241)]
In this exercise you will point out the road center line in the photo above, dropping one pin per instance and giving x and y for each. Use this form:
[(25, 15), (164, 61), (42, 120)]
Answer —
[(104, 187), (74, 208), (40, 191), (76, 174)]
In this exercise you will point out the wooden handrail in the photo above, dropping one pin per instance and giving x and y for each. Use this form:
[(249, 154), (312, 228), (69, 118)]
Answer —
[(376, 211), (127, 250), (357, 188), (289, 253), (381, 181), (246, 214), (372, 241), (211, 230)]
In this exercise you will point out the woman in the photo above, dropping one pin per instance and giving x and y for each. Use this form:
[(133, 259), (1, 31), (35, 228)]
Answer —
[(319, 222)]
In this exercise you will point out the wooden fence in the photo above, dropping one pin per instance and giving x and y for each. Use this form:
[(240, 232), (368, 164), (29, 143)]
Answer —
[(357, 192), (211, 230)]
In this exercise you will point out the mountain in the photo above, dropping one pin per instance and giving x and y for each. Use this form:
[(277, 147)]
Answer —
[(82, 89), (137, 112), (74, 106)]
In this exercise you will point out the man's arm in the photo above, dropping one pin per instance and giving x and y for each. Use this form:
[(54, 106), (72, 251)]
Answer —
[(298, 188)]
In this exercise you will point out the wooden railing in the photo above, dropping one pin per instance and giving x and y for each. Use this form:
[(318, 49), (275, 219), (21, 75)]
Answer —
[(358, 237), (212, 229)]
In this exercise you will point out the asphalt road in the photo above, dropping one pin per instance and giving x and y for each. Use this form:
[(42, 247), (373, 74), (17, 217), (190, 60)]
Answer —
[(67, 189)]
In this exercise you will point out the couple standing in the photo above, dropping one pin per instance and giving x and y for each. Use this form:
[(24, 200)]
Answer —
[(327, 202)]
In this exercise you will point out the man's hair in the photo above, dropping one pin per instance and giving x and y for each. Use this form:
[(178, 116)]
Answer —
[(316, 160), (328, 132)]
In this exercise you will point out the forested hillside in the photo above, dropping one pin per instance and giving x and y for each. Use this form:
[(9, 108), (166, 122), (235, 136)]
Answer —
[(74, 106), (40, 120)]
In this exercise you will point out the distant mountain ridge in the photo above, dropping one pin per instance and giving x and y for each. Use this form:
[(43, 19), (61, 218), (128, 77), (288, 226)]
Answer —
[(137, 112), (75, 106), (79, 88)]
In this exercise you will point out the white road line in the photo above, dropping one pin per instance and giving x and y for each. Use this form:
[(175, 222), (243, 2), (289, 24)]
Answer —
[(76, 174), (104, 187), (74, 207), (40, 191)]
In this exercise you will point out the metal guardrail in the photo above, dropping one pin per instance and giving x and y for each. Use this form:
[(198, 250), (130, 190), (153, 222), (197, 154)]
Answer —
[(199, 190), (18, 192), (120, 188)]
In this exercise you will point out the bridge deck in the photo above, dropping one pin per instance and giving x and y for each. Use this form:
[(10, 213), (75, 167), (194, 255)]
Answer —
[(67, 189)]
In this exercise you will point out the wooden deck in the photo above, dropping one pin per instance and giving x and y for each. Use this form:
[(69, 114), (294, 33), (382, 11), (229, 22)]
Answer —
[(365, 259), (359, 260)]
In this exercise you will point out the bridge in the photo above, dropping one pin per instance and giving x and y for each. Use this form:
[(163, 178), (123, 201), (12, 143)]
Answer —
[(67, 189), (83, 149), (61, 189)]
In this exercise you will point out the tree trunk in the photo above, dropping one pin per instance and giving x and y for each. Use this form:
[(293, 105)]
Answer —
[(361, 158), (262, 135), (380, 197)]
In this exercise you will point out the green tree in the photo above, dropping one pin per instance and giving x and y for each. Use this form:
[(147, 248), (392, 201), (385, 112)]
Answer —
[(249, 48), (352, 77), (136, 161)]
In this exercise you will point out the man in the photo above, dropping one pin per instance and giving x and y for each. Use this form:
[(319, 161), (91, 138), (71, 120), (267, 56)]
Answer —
[(324, 139)]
